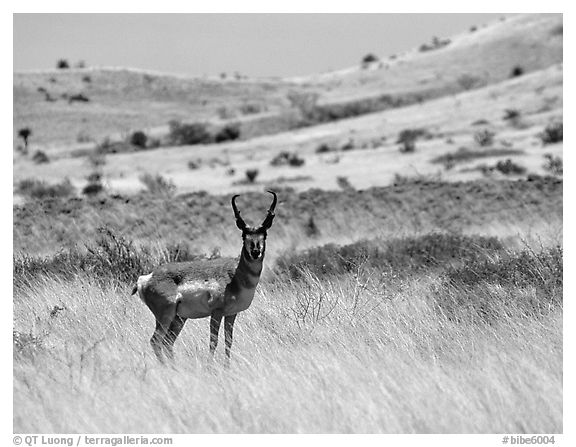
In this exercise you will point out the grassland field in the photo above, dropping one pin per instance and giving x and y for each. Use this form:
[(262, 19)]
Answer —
[(409, 286), (446, 318)]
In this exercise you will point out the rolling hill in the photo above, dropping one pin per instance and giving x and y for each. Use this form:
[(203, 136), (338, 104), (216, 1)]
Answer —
[(450, 91)]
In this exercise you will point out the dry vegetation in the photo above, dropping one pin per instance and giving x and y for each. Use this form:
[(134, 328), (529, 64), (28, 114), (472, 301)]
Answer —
[(424, 331), (412, 292)]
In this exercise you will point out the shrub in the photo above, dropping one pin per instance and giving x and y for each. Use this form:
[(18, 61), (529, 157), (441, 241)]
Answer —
[(229, 132), (62, 64), (407, 139), (344, 183), (471, 288), (110, 259), (38, 189), (193, 164), (80, 97), (409, 255), (368, 59), (511, 114), (408, 146), (251, 175), (108, 146), (463, 155), (552, 133), (188, 134), (25, 133), (554, 165), (516, 71), (250, 108), (435, 45), (484, 137), (87, 79), (508, 167), (412, 135), (40, 157), (287, 159), (323, 148), (158, 185), (468, 82), (94, 185), (139, 139)]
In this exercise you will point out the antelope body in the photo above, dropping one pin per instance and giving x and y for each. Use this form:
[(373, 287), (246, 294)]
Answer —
[(216, 288)]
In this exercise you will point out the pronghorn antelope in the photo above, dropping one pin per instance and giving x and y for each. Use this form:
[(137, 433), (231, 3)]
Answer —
[(208, 288)]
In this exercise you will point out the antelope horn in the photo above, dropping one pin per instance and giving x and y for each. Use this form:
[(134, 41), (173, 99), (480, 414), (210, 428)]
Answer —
[(239, 221), (270, 216)]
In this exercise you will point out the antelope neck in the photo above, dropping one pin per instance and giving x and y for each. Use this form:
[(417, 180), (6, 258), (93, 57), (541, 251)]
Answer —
[(248, 271)]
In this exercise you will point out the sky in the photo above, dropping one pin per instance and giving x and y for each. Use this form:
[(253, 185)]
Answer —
[(259, 45)]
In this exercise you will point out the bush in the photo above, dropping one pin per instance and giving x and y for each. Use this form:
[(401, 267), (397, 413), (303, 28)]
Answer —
[(40, 157), (412, 135), (408, 146), (407, 138), (287, 159), (188, 134), (484, 137), (62, 64), (112, 259), (554, 165), (94, 185), (344, 184), (516, 71), (228, 133), (508, 167), (108, 146), (251, 175), (250, 108), (139, 139), (38, 189), (552, 133), (323, 148), (158, 185), (486, 288), (435, 45), (468, 82), (368, 59), (80, 97), (511, 114), (463, 155), (193, 164), (408, 255)]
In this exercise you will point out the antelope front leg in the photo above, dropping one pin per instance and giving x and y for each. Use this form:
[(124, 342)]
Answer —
[(228, 328), (215, 320)]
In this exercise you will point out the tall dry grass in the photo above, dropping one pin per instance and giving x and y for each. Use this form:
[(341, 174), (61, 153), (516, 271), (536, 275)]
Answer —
[(418, 336), (349, 353)]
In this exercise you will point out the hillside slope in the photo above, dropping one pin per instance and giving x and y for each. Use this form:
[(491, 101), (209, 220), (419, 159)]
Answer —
[(448, 95)]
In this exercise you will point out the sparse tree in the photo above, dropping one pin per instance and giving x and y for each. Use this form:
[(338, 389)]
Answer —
[(25, 133)]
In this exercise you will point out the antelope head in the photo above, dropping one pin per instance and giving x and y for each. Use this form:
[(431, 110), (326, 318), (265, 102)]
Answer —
[(254, 238)]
